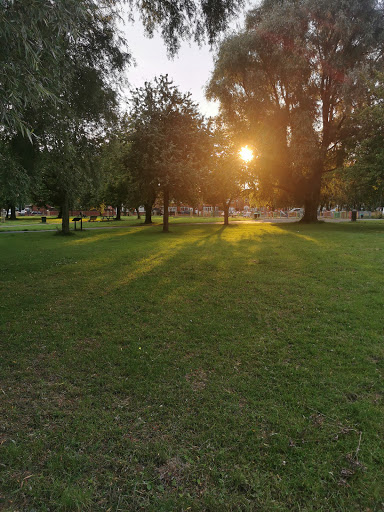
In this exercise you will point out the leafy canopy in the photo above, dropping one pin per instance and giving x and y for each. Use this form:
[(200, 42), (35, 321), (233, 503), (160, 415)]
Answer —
[(184, 19), (40, 40), (169, 139)]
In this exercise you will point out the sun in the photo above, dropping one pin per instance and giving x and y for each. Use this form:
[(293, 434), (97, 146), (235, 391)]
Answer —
[(246, 154)]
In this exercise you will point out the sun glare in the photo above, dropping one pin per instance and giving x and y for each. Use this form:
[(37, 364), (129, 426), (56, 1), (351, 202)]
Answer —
[(246, 154)]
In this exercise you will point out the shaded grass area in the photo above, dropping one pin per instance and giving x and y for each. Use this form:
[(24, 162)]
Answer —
[(210, 369)]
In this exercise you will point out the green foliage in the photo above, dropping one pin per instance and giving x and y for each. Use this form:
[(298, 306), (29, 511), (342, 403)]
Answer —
[(71, 52), (31, 38), (180, 20), (34, 38), (169, 142), (119, 187), (14, 179), (364, 172)]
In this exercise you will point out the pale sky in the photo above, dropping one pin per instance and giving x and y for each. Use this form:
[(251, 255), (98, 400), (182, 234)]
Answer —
[(190, 69)]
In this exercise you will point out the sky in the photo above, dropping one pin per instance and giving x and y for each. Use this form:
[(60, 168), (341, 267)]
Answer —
[(190, 69)]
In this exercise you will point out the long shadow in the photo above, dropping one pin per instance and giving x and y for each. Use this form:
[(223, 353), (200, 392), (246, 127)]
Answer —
[(117, 267)]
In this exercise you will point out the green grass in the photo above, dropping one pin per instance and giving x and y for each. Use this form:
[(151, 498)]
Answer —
[(35, 224), (209, 369)]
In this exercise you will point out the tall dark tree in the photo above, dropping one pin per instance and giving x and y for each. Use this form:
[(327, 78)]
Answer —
[(169, 142), (290, 81)]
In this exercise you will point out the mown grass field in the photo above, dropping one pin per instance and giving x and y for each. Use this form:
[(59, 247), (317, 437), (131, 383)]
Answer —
[(53, 223), (208, 369)]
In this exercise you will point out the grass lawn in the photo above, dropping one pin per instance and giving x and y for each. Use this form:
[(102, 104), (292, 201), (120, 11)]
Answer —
[(208, 369), (35, 224)]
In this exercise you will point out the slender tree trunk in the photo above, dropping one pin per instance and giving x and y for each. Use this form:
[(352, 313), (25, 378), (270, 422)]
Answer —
[(148, 213), (65, 216), (166, 212), (118, 212), (138, 213), (226, 214)]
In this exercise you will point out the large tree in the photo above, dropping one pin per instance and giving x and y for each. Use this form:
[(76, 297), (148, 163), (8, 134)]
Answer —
[(169, 142), (290, 81), (68, 135)]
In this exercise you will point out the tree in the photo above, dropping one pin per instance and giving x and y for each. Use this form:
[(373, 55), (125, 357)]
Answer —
[(41, 40), (14, 180), (169, 142), (364, 166), (69, 135), (290, 81), (120, 187), (71, 53), (226, 177)]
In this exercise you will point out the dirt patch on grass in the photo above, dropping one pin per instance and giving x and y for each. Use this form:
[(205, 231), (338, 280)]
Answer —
[(197, 379), (172, 472)]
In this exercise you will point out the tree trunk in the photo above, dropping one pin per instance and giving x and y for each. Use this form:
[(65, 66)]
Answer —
[(226, 214), (166, 212), (310, 211), (138, 213), (118, 212), (148, 213), (65, 216), (312, 197), (13, 212)]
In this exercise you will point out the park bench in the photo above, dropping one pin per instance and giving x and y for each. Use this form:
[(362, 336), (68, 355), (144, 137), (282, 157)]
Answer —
[(93, 217), (107, 216)]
